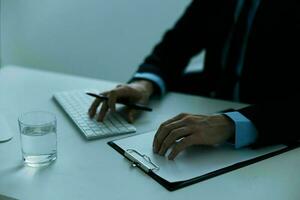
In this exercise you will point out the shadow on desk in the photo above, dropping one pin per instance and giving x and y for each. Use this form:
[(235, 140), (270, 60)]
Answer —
[(2, 197)]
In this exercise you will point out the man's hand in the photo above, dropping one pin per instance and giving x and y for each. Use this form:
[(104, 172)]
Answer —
[(135, 92), (186, 130)]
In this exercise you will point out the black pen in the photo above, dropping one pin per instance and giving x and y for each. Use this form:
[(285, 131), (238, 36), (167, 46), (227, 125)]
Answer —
[(134, 106)]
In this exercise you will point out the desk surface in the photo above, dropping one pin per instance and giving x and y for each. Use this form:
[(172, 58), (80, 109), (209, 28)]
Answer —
[(93, 170)]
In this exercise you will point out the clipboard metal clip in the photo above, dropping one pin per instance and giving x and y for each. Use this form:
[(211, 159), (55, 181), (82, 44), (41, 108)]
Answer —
[(143, 161)]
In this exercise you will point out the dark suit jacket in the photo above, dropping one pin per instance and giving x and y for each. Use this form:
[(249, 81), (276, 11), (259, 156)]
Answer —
[(269, 80)]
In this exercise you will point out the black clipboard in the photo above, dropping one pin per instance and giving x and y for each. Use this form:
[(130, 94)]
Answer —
[(149, 167)]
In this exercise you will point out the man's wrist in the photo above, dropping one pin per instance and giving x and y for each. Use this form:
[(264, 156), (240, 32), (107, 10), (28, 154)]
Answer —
[(228, 126), (144, 86)]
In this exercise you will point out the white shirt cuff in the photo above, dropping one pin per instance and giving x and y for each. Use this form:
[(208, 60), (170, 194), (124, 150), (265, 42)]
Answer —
[(245, 131)]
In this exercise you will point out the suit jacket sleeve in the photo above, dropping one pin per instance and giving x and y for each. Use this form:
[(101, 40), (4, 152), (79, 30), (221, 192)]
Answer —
[(192, 33), (276, 119)]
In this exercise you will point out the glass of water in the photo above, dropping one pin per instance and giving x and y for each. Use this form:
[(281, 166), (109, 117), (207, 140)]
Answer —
[(38, 138)]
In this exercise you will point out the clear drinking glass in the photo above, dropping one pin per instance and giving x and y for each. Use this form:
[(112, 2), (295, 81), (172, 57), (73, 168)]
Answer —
[(38, 138)]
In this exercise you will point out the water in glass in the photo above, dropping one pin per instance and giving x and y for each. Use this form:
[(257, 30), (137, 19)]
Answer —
[(39, 143)]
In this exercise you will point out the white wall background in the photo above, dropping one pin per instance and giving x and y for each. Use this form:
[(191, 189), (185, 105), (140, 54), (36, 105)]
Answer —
[(98, 38)]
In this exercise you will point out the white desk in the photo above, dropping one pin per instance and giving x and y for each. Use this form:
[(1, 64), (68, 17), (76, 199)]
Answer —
[(92, 170)]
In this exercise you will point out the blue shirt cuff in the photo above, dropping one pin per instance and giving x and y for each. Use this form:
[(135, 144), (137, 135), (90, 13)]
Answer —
[(245, 131), (154, 78)]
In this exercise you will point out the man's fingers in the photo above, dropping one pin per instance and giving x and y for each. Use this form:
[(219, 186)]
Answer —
[(171, 139), (93, 107), (103, 111), (112, 99), (163, 132), (122, 93), (112, 95), (180, 146), (177, 117), (131, 114)]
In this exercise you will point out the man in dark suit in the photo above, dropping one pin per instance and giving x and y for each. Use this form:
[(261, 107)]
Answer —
[(251, 56)]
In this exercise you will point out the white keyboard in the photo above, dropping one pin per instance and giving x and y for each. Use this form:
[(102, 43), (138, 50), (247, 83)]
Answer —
[(76, 105)]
